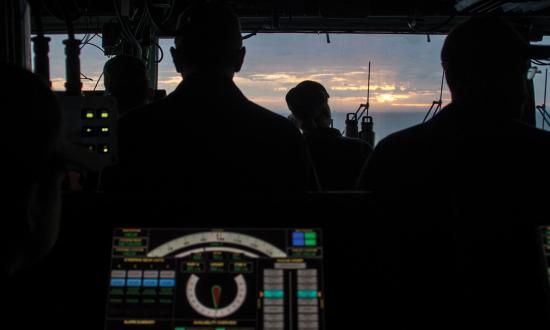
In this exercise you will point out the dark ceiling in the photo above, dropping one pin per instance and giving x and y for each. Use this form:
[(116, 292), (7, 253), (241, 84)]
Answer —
[(334, 16)]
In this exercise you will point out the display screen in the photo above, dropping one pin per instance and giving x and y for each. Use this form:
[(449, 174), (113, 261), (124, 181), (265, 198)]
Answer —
[(214, 279)]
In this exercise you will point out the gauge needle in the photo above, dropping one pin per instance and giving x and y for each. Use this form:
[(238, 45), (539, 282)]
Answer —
[(216, 295)]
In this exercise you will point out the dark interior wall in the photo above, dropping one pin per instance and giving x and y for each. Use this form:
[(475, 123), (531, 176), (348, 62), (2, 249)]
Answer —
[(15, 31)]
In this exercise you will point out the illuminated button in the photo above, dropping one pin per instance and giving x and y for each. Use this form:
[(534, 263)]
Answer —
[(274, 302), (167, 274), (103, 114), (87, 131), (150, 283), (104, 131), (298, 239), (308, 309), (274, 317), (307, 302), (118, 282), (167, 283), (307, 272), (88, 114), (118, 273), (134, 282), (179, 328), (104, 149), (274, 309), (311, 235), (274, 294), (151, 274), (311, 238), (307, 294), (135, 273), (311, 242)]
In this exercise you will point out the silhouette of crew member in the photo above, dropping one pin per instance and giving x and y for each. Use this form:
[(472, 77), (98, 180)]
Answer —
[(31, 169), (463, 188), (31, 173), (125, 78), (338, 160), (206, 135)]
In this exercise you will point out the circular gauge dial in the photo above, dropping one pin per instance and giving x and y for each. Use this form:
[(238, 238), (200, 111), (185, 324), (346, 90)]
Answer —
[(214, 296)]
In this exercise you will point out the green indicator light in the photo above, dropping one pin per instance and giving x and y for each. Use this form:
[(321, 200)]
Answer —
[(104, 115), (274, 294), (179, 328), (89, 115), (219, 328), (311, 242), (307, 294), (104, 130), (311, 235)]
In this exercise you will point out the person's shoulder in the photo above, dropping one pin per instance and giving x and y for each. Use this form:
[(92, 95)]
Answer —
[(404, 139), (355, 143), (138, 117), (533, 132), (271, 121), (531, 138)]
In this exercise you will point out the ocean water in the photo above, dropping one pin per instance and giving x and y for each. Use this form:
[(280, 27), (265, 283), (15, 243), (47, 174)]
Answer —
[(385, 122), (388, 122)]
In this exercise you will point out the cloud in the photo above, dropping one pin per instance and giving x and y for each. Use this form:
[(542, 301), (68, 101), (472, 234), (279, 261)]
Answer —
[(389, 98), (169, 82), (415, 105), (58, 84), (351, 87)]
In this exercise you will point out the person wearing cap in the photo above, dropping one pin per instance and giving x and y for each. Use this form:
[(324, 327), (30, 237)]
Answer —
[(125, 78), (462, 191), (207, 136), (337, 160)]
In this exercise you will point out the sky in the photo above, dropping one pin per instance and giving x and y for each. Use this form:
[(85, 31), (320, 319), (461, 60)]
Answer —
[(405, 72)]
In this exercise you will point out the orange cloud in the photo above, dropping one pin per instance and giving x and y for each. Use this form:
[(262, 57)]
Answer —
[(383, 98), (386, 87), (169, 83), (414, 105)]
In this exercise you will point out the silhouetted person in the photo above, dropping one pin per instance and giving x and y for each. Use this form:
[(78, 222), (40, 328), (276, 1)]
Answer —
[(462, 190), (207, 136), (337, 160), (31, 172), (125, 78)]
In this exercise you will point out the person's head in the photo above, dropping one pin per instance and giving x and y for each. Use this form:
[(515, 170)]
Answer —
[(125, 78), (486, 62), (308, 102), (208, 41), (31, 169)]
